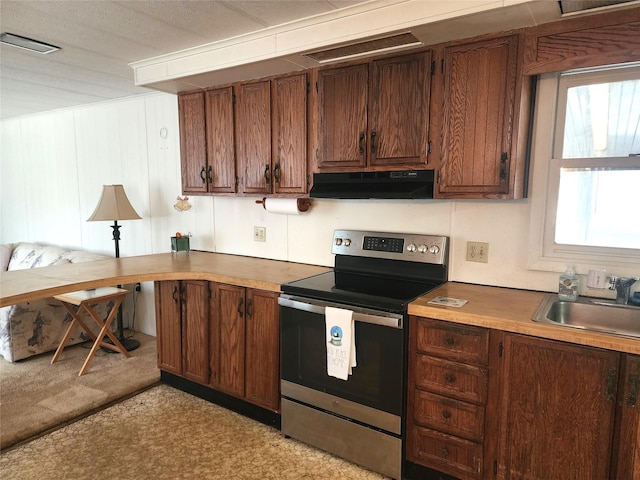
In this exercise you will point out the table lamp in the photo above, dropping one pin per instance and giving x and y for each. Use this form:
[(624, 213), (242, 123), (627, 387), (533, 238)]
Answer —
[(114, 205)]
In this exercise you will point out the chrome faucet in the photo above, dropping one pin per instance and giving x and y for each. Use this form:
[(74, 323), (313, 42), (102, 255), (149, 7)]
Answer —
[(622, 286)]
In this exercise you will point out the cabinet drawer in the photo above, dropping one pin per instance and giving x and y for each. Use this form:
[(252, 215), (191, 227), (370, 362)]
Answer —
[(452, 379), (448, 454), (450, 416), (452, 341)]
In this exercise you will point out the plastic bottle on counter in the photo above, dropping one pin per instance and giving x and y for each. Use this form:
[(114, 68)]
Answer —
[(568, 285)]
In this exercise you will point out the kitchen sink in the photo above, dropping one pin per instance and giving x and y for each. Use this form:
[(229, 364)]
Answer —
[(590, 314)]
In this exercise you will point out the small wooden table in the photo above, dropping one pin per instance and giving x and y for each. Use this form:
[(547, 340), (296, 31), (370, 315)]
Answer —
[(86, 299)]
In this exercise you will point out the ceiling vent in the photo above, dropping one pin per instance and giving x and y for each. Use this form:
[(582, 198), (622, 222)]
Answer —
[(27, 43), (576, 6), (362, 49)]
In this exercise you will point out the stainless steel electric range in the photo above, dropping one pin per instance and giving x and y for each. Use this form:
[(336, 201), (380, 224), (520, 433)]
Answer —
[(375, 276)]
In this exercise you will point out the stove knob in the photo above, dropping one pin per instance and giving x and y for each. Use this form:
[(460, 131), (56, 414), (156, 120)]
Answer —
[(435, 249), (338, 241), (411, 247), (422, 248), (347, 242)]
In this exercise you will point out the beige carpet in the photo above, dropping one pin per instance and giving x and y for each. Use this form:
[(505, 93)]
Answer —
[(164, 433), (36, 396)]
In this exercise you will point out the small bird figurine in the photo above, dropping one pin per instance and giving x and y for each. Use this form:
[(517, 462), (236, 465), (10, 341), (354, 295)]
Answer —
[(183, 204)]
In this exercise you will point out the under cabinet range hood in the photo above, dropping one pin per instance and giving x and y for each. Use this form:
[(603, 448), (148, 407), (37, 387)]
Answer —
[(409, 184)]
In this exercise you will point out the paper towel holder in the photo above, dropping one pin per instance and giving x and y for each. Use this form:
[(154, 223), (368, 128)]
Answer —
[(303, 204)]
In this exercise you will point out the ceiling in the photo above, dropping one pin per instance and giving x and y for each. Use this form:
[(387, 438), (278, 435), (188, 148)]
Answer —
[(100, 38)]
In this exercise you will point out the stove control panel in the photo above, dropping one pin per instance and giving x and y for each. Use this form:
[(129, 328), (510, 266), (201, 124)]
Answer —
[(398, 246)]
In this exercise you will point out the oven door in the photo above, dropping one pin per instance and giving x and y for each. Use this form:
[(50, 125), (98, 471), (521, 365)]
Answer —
[(378, 379)]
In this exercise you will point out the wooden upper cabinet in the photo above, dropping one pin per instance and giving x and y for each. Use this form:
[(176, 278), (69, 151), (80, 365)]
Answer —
[(193, 142), (342, 98), (584, 41), (482, 151), (374, 114), (206, 141), (557, 410), (221, 159), (399, 110), (253, 136), (289, 134)]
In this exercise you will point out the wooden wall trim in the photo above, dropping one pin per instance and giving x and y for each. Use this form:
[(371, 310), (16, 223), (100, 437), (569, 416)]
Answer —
[(588, 41)]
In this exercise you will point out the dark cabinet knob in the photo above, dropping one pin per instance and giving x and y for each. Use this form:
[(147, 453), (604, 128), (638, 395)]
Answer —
[(449, 378), (446, 414)]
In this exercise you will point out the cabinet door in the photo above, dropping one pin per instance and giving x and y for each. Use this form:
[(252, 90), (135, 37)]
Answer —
[(168, 327), (195, 330), (479, 93), (253, 136), (230, 329), (626, 463), (193, 145), (342, 96), (262, 368), (221, 159), (289, 137), (398, 114), (557, 410)]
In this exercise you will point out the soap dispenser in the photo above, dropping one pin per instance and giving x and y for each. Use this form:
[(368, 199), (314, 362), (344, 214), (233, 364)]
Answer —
[(568, 285)]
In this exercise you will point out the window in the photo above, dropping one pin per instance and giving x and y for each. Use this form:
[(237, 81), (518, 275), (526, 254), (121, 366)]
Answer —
[(593, 170)]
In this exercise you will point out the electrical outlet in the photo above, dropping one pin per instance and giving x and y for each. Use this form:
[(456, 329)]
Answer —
[(259, 234), (138, 287), (477, 252)]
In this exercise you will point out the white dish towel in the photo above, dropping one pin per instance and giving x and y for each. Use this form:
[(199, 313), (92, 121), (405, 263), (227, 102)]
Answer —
[(341, 342)]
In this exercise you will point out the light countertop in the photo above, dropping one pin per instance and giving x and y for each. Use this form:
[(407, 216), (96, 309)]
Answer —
[(505, 309), (36, 283), (511, 310)]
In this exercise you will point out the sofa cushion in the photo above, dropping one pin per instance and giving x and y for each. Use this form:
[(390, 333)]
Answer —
[(5, 255), (31, 255), (78, 256)]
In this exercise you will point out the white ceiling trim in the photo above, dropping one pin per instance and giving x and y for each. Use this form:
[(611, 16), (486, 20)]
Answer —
[(361, 21)]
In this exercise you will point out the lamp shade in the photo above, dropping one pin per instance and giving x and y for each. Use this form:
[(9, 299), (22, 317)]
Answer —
[(113, 205)]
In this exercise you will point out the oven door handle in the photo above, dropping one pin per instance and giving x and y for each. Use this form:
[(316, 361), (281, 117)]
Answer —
[(306, 305)]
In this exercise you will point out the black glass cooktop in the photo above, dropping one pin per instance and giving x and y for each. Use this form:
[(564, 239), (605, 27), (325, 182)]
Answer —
[(367, 291)]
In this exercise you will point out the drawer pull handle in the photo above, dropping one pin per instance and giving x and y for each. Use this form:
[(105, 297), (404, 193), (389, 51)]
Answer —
[(449, 378), (445, 452), (449, 340), (446, 414)]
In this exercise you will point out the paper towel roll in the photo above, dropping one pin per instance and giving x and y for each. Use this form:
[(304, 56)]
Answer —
[(289, 206)]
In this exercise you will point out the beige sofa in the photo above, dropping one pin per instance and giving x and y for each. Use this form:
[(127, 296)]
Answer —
[(30, 328)]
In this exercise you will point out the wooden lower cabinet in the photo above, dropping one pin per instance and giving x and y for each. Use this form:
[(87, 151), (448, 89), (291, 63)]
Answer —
[(223, 336), (227, 339), (551, 410), (168, 326), (626, 462), (262, 349), (182, 322), (557, 410), (448, 385)]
